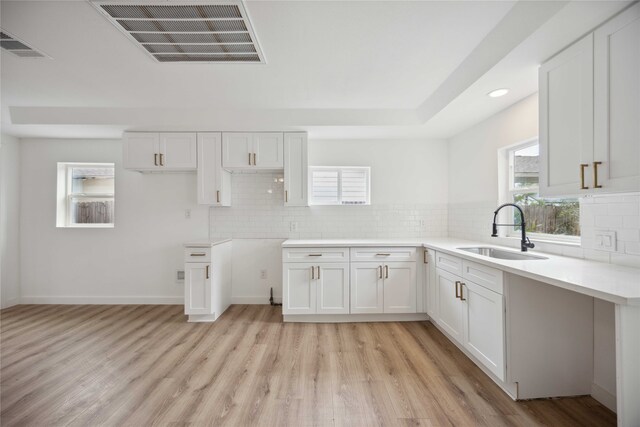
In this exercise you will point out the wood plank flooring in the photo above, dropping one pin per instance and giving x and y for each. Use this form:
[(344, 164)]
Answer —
[(145, 365)]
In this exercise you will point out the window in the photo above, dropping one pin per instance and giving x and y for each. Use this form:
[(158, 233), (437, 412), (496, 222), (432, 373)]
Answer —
[(340, 185), (85, 195), (550, 219)]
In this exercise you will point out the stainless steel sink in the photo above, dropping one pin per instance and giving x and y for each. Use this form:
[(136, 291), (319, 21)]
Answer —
[(501, 254)]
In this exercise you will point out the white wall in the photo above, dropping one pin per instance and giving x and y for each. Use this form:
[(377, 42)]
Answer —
[(408, 194), (9, 221), (473, 195), (135, 262)]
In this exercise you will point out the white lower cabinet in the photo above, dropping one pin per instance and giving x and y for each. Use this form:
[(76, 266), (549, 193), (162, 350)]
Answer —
[(400, 287), (483, 326), (315, 288), (429, 282), (474, 316), (367, 292), (197, 288)]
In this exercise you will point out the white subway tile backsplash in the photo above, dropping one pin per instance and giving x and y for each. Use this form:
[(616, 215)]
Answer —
[(258, 212)]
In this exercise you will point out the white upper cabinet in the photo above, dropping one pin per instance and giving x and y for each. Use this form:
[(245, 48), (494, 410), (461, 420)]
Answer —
[(214, 183), (589, 110), (253, 150), (296, 166), (566, 119), (152, 151), (237, 150), (617, 102)]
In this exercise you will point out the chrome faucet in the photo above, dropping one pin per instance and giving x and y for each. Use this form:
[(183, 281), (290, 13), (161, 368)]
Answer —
[(525, 243)]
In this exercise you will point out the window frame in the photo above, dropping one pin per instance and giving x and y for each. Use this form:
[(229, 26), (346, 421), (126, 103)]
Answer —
[(340, 170), (66, 195), (507, 191)]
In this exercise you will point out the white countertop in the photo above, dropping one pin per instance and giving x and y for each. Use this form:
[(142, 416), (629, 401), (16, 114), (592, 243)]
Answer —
[(609, 282), (335, 243), (205, 243)]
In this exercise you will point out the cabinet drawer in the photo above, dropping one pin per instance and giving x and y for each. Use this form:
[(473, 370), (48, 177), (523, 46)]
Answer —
[(197, 255), (482, 275), (449, 263), (315, 255), (383, 254)]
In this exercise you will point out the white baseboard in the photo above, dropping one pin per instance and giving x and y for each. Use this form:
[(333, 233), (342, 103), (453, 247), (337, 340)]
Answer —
[(350, 318), (603, 396), (157, 300), (10, 302), (253, 300)]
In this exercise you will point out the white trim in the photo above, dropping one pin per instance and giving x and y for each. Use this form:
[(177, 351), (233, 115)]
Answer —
[(107, 300), (603, 396), (10, 302), (351, 318), (263, 300)]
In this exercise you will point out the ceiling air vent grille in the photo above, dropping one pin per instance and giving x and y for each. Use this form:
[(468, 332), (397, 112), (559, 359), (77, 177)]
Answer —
[(187, 32), (18, 47)]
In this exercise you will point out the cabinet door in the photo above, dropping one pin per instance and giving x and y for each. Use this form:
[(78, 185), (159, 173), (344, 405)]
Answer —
[(236, 150), (566, 120), (484, 332), (178, 151), (400, 287), (299, 292), (268, 148), (617, 102), (141, 151), (449, 307), (296, 172), (367, 292), (332, 284), (213, 182), (197, 288)]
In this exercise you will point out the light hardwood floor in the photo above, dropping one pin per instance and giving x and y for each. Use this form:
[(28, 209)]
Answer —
[(145, 365)]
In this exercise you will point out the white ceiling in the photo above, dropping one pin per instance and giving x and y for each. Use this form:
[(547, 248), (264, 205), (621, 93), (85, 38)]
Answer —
[(339, 69)]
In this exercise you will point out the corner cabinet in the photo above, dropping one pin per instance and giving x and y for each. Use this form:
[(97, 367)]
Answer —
[(589, 109), (213, 182), (296, 169), (160, 152)]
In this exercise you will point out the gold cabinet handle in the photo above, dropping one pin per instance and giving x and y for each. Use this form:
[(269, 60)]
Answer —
[(425, 254), (254, 159), (380, 272), (218, 196), (582, 167), (457, 289), (595, 175), (155, 159), (318, 272), (249, 159), (207, 271), (461, 288), (386, 271), (286, 196), (161, 159), (313, 272)]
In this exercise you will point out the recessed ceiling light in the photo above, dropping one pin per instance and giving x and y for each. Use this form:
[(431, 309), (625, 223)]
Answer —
[(498, 93)]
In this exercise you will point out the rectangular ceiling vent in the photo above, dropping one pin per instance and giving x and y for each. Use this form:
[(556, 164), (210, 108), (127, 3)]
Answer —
[(18, 47), (187, 32)]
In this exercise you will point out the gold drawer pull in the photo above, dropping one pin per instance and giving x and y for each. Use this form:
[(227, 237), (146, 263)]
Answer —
[(582, 167), (315, 254), (198, 254), (595, 175), (383, 254)]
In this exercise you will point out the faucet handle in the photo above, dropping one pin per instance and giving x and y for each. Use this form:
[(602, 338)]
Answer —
[(529, 244)]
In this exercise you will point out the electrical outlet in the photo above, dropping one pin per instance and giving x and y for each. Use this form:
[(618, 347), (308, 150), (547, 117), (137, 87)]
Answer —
[(263, 274), (293, 226), (606, 240), (179, 276), (187, 213)]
